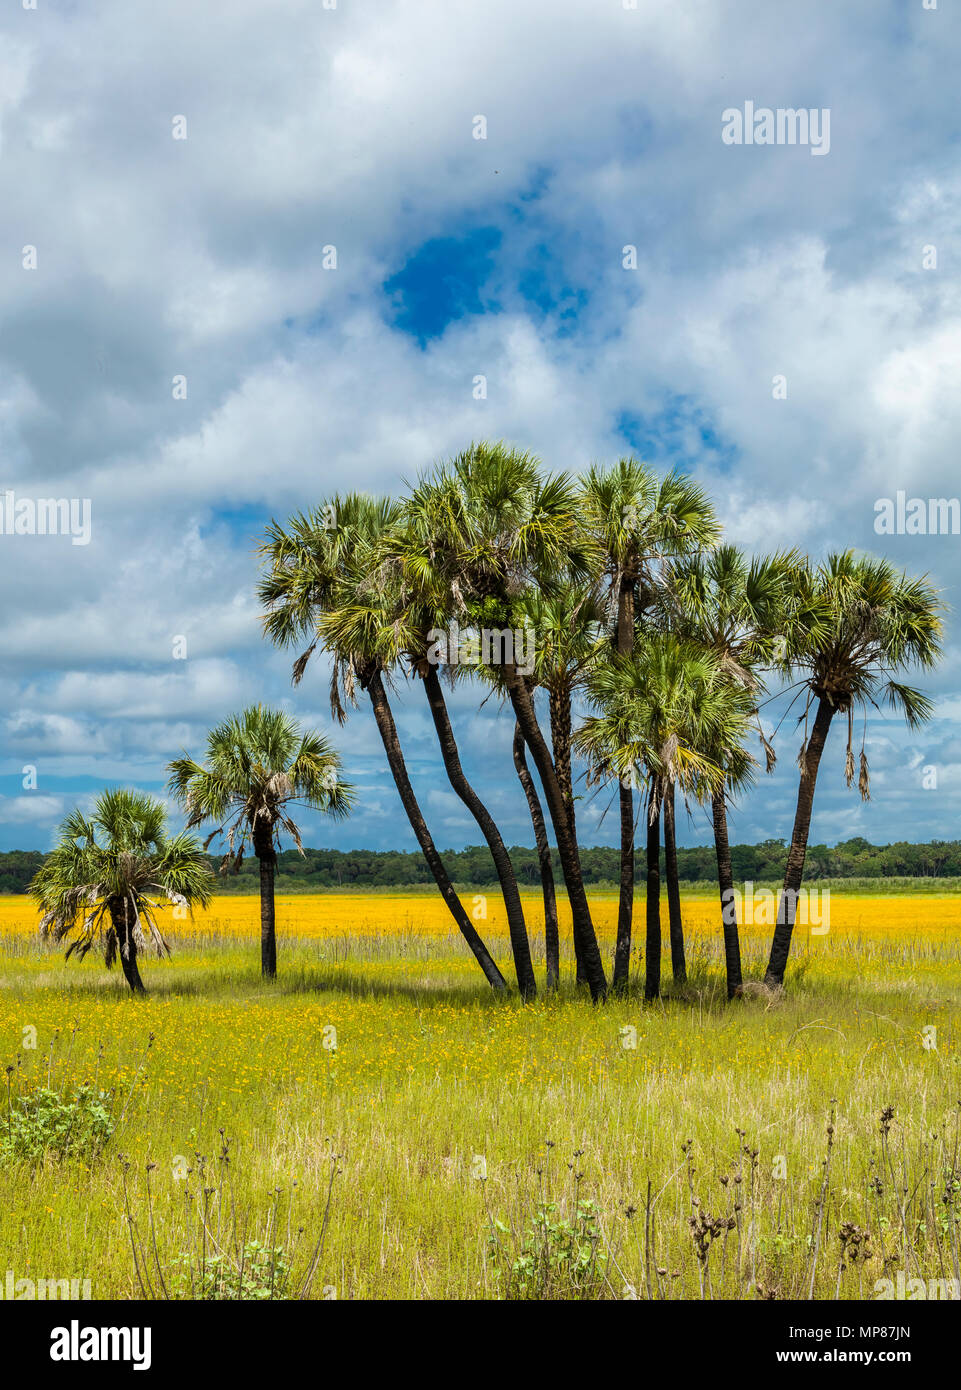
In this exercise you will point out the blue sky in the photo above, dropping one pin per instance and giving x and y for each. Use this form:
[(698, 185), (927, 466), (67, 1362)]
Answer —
[(352, 128)]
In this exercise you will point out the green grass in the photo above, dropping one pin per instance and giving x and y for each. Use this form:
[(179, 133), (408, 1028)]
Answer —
[(435, 1113)]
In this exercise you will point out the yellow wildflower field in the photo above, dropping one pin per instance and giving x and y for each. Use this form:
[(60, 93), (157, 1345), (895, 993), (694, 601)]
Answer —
[(380, 1043), (330, 916)]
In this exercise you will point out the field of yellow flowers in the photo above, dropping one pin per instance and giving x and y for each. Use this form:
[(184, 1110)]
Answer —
[(376, 1124)]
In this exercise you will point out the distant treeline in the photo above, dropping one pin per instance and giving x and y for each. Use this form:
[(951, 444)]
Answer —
[(321, 869)]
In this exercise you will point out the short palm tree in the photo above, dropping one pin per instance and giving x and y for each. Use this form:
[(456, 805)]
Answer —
[(724, 742), (738, 609), (109, 875), (570, 637), (641, 523), (259, 764), (865, 623), (656, 709)]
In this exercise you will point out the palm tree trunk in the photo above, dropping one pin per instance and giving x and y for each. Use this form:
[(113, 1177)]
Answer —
[(794, 871), (625, 905), (395, 759), (267, 859), (678, 963), (584, 936), (626, 602), (552, 944), (652, 964), (559, 706), (624, 641), (520, 945), (725, 880), (122, 921)]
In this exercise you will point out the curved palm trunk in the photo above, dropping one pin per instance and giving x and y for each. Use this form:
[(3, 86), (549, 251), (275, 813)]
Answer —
[(584, 936), (395, 759), (267, 859), (122, 922), (625, 905), (552, 943), (652, 964), (520, 945), (559, 707), (725, 880), (678, 963), (787, 907)]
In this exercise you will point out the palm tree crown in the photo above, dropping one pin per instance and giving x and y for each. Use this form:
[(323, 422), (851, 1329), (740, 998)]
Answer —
[(258, 764), (864, 624), (868, 622), (658, 710), (118, 862)]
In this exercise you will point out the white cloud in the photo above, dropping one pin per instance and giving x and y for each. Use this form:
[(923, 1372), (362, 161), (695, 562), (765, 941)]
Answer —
[(308, 127), (30, 810)]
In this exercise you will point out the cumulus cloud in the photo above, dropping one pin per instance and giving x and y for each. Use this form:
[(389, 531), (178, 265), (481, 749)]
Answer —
[(208, 259)]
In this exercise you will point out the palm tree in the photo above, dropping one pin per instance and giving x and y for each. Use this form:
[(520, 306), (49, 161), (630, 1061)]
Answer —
[(552, 937), (383, 614), (400, 578), (109, 874), (314, 591), (517, 927), (865, 623), (725, 747), (640, 523), (656, 710), (671, 879), (494, 528), (739, 610), (721, 714), (258, 765), (569, 628)]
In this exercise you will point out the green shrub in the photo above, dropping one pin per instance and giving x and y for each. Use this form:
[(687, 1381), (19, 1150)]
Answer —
[(262, 1273), (51, 1124), (562, 1257)]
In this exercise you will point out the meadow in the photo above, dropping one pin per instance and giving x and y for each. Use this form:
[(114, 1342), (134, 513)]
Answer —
[(376, 1124)]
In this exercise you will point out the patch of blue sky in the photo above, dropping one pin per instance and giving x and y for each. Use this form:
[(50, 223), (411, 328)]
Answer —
[(243, 522), (11, 784), (442, 281), (680, 434)]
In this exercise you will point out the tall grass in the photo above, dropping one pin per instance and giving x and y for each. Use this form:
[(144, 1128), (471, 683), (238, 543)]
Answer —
[(466, 1133)]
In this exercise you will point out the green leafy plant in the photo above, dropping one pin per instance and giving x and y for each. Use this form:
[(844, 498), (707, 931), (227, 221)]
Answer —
[(258, 1272), (47, 1123), (562, 1254)]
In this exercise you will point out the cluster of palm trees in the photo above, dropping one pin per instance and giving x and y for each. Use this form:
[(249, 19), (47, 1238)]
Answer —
[(639, 614), (653, 643)]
